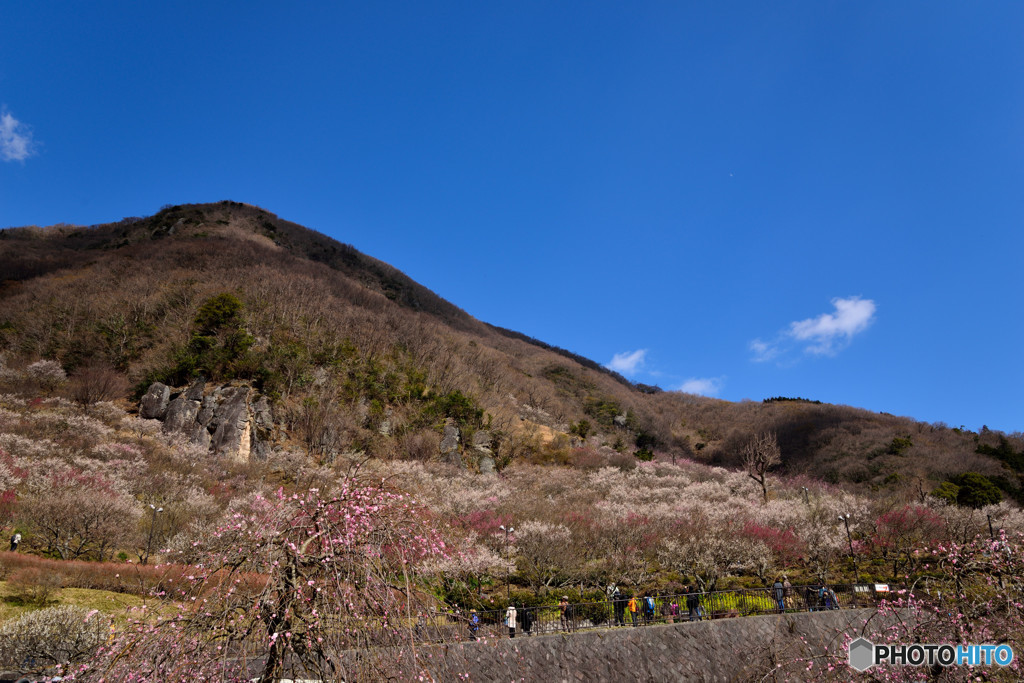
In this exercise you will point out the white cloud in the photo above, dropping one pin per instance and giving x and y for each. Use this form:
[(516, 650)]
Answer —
[(763, 350), (705, 386), (824, 335), (16, 143), (627, 362), (829, 332)]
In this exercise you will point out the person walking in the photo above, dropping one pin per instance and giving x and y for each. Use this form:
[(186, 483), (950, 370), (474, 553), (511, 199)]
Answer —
[(634, 610), (15, 540), (693, 603), (779, 593), (619, 603), (828, 600), (510, 620), (665, 610), (565, 613), (787, 589), (648, 609), (527, 620), (474, 624), (812, 595)]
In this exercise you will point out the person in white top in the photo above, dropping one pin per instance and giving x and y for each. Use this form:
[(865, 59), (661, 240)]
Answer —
[(510, 620)]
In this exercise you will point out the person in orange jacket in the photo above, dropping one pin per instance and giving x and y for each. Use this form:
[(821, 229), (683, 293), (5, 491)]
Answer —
[(634, 610)]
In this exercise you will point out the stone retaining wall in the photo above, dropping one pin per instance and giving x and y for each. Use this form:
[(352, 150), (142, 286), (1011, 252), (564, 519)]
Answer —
[(723, 650)]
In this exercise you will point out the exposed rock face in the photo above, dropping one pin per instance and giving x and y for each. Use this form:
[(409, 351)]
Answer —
[(450, 444), (209, 406), (230, 424), (262, 426), (482, 440), (481, 449), (224, 419), (154, 403)]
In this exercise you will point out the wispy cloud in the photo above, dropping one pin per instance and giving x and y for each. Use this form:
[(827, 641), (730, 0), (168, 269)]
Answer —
[(627, 362), (16, 143), (824, 335), (705, 386), (764, 350)]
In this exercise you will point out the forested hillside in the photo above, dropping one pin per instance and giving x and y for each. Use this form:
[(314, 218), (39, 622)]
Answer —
[(356, 357)]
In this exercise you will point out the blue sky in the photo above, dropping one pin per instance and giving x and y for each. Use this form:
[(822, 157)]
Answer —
[(747, 199)]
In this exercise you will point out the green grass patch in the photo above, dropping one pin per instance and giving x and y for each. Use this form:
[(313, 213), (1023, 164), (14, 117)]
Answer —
[(13, 605)]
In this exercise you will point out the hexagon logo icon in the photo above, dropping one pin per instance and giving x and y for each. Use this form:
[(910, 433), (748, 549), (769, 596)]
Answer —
[(862, 654)]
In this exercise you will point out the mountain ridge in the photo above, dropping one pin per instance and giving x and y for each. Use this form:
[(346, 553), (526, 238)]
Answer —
[(331, 324)]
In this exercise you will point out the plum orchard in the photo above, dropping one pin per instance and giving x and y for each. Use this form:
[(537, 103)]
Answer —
[(973, 594), (295, 586)]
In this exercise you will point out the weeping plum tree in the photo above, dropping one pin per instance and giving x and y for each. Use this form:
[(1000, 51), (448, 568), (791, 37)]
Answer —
[(296, 586)]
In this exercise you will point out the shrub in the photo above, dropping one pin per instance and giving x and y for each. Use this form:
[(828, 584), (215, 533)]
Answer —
[(580, 429), (95, 383), (622, 462), (594, 608), (735, 604), (456, 405), (899, 445), (121, 578), (422, 445), (219, 345), (976, 491), (48, 637), (946, 491), (603, 410), (47, 375), (644, 454), (588, 459), (35, 586)]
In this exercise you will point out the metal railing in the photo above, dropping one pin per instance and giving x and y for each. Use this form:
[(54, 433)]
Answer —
[(637, 611)]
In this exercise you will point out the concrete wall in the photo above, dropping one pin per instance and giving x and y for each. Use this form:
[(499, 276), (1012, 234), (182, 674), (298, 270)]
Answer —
[(722, 650)]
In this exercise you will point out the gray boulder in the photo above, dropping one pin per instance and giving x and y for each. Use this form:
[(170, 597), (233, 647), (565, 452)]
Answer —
[(154, 404), (181, 415), (195, 392), (481, 448), (450, 444), (482, 439)]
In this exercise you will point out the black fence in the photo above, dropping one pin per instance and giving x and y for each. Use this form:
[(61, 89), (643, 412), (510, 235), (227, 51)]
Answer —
[(641, 610)]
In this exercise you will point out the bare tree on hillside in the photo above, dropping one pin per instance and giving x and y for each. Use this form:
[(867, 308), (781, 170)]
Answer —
[(94, 383), (759, 455)]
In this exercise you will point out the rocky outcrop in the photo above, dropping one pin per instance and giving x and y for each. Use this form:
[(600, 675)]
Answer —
[(482, 453), (450, 444), (181, 415), (154, 404), (230, 421), (263, 427), (230, 424)]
